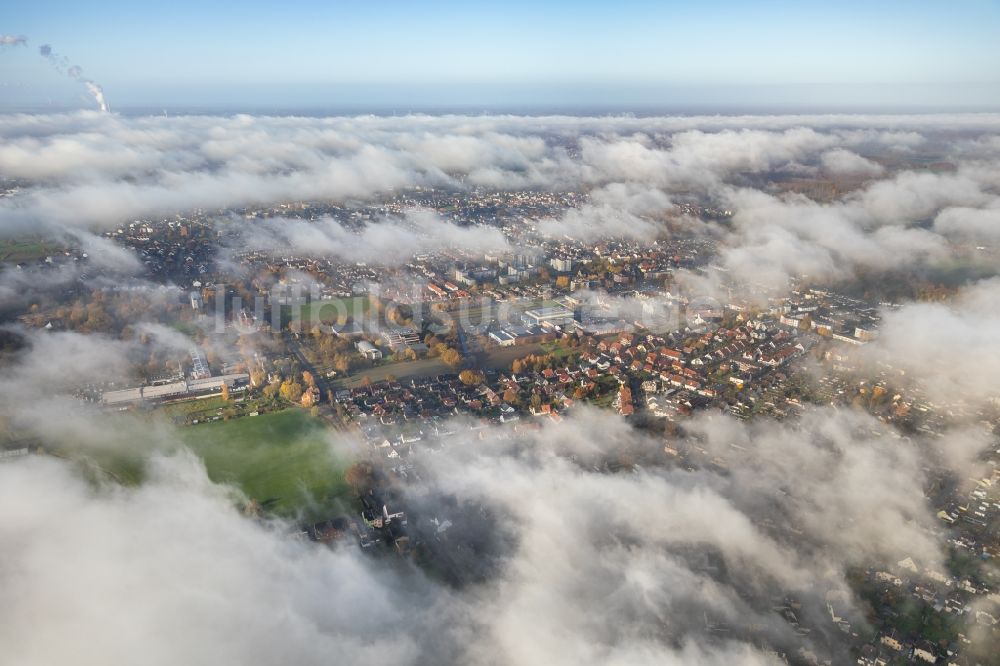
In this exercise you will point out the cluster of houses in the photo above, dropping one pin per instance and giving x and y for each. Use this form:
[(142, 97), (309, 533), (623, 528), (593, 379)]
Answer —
[(958, 600), (178, 250), (677, 377), (831, 315), (376, 523), (501, 398), (674, 377), (669, 375)]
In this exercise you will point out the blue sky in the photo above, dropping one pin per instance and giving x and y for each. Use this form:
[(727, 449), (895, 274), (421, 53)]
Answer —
[(315, 53)]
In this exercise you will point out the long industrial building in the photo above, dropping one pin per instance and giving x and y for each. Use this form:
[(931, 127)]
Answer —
[(191, 387)]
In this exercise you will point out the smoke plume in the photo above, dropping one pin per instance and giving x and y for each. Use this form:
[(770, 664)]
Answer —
[(75, 72), (13, 40)]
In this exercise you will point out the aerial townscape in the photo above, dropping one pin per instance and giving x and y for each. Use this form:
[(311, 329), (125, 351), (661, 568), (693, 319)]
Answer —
[(491, 381)]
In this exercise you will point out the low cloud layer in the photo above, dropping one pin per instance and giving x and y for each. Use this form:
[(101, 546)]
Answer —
[(843, 162), (948, 349), (592, 568), (86, 172), (387, 242), (171, 572), (573, 564)]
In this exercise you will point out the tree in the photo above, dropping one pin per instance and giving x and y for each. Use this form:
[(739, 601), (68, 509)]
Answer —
[(308, 378), (400, 314), (877, 397), (470, 377), (517, 367), (360, 477), (342, 364), (452, 358), (291, 391), (225, 392), (805, 324), (308, 398)]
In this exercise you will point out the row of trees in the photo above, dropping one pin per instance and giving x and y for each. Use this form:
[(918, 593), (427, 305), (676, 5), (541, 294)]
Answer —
[(532, 362)]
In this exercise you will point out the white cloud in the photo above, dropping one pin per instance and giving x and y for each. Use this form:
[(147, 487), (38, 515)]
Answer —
[(390, 241), (96, 170), (627, 568), (949, 349), (843, 162)]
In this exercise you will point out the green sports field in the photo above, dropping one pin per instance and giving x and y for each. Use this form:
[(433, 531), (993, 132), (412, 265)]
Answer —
[(282, 460), (330, 311), (25, 249)]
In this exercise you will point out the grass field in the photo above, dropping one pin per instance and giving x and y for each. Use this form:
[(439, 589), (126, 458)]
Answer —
[(335, 310), (282, 460), (16, 250), (195, 409), (212, 408), (119, 449), (185, 327), (557, 349)]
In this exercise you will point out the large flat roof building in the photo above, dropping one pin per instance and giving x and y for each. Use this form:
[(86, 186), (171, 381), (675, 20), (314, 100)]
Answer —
[(173, 390), (554, 316)]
